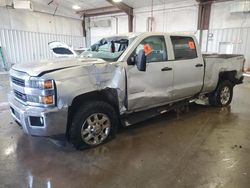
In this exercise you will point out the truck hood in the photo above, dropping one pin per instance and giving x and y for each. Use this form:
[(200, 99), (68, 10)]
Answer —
[(36, 69)]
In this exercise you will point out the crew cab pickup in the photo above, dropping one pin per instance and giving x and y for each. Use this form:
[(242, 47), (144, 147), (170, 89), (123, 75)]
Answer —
[(120, 80)]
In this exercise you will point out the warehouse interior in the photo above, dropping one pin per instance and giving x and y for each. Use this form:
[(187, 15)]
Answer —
[(200, 146)]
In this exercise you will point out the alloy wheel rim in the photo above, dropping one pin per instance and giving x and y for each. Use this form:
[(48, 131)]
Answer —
[(225, 95), (95, 129)]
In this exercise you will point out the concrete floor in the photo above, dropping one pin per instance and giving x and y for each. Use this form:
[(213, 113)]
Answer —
[(206, 147), (4, 86)]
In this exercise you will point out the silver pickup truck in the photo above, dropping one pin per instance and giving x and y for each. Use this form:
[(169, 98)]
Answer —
[(120, 80)]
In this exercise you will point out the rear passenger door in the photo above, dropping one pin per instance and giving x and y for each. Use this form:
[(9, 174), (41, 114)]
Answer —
[(188, 67)]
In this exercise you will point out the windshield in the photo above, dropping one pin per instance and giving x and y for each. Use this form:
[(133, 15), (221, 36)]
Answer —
[(108, 49)]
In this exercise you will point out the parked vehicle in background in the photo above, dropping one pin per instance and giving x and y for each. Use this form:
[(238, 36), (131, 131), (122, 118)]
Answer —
[(60, 49), (120, 80)]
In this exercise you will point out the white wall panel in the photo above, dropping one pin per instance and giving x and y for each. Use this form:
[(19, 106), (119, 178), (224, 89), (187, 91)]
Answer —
[(24, 46), (98, 33), (182, 16), (39, 22), (140, 22), (230, 28), (238, 37), (123, 24), (24, 35), (171, 17), (221, 17)]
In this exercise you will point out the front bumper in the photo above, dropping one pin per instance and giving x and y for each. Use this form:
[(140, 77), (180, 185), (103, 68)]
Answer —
[(54, 119)]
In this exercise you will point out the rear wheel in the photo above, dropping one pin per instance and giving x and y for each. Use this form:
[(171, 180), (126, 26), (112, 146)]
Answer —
[(223, 94), (95, 123)]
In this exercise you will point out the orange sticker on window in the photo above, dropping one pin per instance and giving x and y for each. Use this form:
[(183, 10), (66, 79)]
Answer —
[(191, 45), (147, 49)]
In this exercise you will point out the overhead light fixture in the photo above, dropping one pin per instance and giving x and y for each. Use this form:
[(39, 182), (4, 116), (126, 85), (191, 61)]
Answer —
[(117, 1), (76, 7)]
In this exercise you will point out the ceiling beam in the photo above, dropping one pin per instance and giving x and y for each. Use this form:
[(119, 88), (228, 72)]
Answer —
[(99, 11), (122, 6), (205, 12), (114, 9), (127, 9), (204, 15), (211, 1)]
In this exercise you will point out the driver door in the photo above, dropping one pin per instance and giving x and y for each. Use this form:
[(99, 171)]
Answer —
[(154, 86)]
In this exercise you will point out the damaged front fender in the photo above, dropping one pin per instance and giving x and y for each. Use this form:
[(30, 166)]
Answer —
[(77, 81)]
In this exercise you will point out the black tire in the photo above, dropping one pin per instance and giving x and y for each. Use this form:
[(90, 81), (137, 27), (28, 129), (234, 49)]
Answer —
[(216, 98), (80, 118)]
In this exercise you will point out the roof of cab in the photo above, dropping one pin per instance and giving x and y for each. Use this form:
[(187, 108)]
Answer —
[(134, 34)]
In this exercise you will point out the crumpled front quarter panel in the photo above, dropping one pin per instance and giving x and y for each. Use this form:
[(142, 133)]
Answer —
[(76, 81)]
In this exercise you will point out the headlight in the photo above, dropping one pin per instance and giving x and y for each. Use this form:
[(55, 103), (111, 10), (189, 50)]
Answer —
[(41, 84), (42, 92), (48, 84), (45, 100)]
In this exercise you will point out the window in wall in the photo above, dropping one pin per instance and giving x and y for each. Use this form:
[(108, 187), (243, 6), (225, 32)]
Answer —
[(155, 49), (184, 47)]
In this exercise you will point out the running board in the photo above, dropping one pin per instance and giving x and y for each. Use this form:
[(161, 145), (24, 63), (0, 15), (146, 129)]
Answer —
[(136, 117)]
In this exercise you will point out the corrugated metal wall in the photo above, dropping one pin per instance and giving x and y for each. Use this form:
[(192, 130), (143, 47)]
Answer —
[(24, 46), (238, 38)]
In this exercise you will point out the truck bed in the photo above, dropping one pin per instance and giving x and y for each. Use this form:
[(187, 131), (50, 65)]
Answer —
[(217, 63), (221, 56)]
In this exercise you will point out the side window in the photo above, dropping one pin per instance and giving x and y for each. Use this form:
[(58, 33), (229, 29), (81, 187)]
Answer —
[(155, 49), (184, 47)]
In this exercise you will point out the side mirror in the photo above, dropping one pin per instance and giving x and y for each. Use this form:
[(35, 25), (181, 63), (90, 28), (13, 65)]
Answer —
[(141, 60), (131, 60)]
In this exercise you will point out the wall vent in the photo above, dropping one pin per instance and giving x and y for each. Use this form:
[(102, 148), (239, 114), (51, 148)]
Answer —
[(100, 23)]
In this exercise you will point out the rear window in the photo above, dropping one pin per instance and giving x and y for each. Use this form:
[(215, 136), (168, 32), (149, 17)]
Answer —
[(63, 51), (184, 47)]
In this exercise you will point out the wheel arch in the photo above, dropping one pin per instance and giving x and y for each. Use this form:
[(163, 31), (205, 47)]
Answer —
[(228, 75), (108, 95)]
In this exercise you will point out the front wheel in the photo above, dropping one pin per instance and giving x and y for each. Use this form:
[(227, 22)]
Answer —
[(223, 94), (95, 123)]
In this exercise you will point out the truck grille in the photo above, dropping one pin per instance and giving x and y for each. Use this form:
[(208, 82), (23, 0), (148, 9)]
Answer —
[(20, 96), (18, 81)]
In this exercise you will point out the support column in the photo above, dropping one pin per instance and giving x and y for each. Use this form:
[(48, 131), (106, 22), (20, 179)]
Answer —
[(130, 23), (203, 22), (127, 9), (83, 26)]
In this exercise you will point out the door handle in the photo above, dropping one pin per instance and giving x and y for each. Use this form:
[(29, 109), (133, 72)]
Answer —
[(166, 69), (199, 65)]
